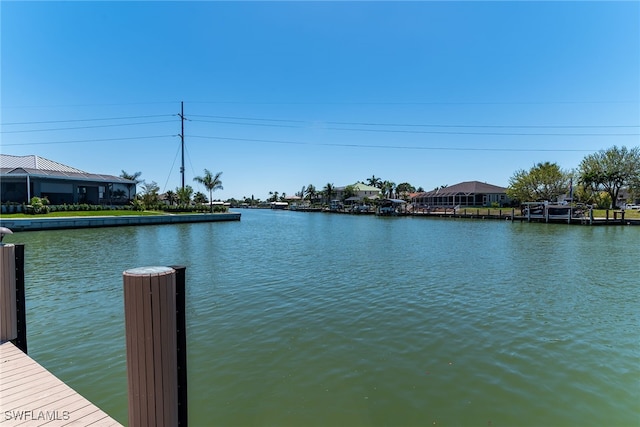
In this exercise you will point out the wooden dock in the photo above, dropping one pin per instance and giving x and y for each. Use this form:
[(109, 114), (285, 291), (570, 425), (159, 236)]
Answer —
[(32, 396)]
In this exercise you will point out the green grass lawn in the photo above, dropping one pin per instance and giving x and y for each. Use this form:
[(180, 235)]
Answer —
[(628, 214)]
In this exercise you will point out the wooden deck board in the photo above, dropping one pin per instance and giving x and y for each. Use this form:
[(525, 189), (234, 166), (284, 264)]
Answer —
[(30, 392)]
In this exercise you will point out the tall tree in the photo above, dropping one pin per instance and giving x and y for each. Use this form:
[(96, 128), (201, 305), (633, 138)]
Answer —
[(135, 177), (544, 181), (150, 195), (387, 188), (374, 181), (200, 199), (184, 195), (210, 182), (403, 190), (302, 192), (611, 170), (311, 192), (171, 197), (349, 191), (329, 190)]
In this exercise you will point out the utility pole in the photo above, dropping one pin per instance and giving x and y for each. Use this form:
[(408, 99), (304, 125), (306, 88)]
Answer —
[(182, 141)]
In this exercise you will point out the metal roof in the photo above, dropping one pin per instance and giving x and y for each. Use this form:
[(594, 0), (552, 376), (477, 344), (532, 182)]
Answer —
[(359, 186), (394, 201), (467, 187), (37, 166)]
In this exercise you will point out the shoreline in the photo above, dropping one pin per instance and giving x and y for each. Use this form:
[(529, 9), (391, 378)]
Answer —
[(74, 222)]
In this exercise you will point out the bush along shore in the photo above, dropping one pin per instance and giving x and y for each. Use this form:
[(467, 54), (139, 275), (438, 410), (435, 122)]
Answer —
[(41, 207)]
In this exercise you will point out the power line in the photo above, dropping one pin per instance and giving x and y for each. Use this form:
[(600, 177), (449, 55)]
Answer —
[(331, 144), (435, 125), (487, 126), (86, 127), (171, 169), (480, 133), (89, 105), (448, 132), (246, 124), (87, 120), (87, 140), (414, 103), (249, 118)]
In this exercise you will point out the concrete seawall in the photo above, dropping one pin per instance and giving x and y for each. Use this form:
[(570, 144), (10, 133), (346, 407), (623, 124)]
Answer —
[(35, 223)]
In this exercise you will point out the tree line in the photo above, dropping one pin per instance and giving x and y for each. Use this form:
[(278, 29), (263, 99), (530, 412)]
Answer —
[(150, 197), (325, 195), (598, 180)]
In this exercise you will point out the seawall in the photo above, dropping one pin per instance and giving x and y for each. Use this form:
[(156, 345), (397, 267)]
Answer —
[(70, 222)]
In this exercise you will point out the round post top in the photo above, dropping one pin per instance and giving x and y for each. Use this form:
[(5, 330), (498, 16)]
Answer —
[(148, 271), (3, 231)]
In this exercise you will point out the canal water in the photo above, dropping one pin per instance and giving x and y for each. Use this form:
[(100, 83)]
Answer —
[(312, 319)]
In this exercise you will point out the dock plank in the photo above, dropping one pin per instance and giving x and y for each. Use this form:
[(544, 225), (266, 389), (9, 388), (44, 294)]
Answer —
[(32, 396)]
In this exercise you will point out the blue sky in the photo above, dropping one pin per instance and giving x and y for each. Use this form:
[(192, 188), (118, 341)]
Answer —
[(284, 94)]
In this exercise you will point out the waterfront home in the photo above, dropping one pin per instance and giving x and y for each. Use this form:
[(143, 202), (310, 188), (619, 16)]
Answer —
[(24, 177), (469, 193), (362, 191)]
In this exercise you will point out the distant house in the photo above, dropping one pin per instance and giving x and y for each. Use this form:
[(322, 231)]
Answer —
[(470, 193), (24, 177), (361, 191)]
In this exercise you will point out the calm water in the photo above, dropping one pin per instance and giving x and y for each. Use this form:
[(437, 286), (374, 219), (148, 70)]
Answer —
[(305, 319)]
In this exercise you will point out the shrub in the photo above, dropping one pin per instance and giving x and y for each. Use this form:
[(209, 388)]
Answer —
[(38, 206)]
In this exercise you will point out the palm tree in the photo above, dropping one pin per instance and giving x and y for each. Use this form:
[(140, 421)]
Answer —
[(311, 192), (387, 189), (374, 182), (329, 190), (199, 198), (210, 182), (184, 195), (171, 197), (135, 177), (150, 197), (301, 193)]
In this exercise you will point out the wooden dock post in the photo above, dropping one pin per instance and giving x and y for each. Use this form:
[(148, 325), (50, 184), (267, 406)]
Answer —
[(8, 309), (151, 338)]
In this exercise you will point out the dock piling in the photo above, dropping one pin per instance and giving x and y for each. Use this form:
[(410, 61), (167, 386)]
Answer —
[(151, 341)]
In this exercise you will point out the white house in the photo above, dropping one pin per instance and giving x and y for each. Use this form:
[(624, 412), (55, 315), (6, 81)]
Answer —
[(362, 191)]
